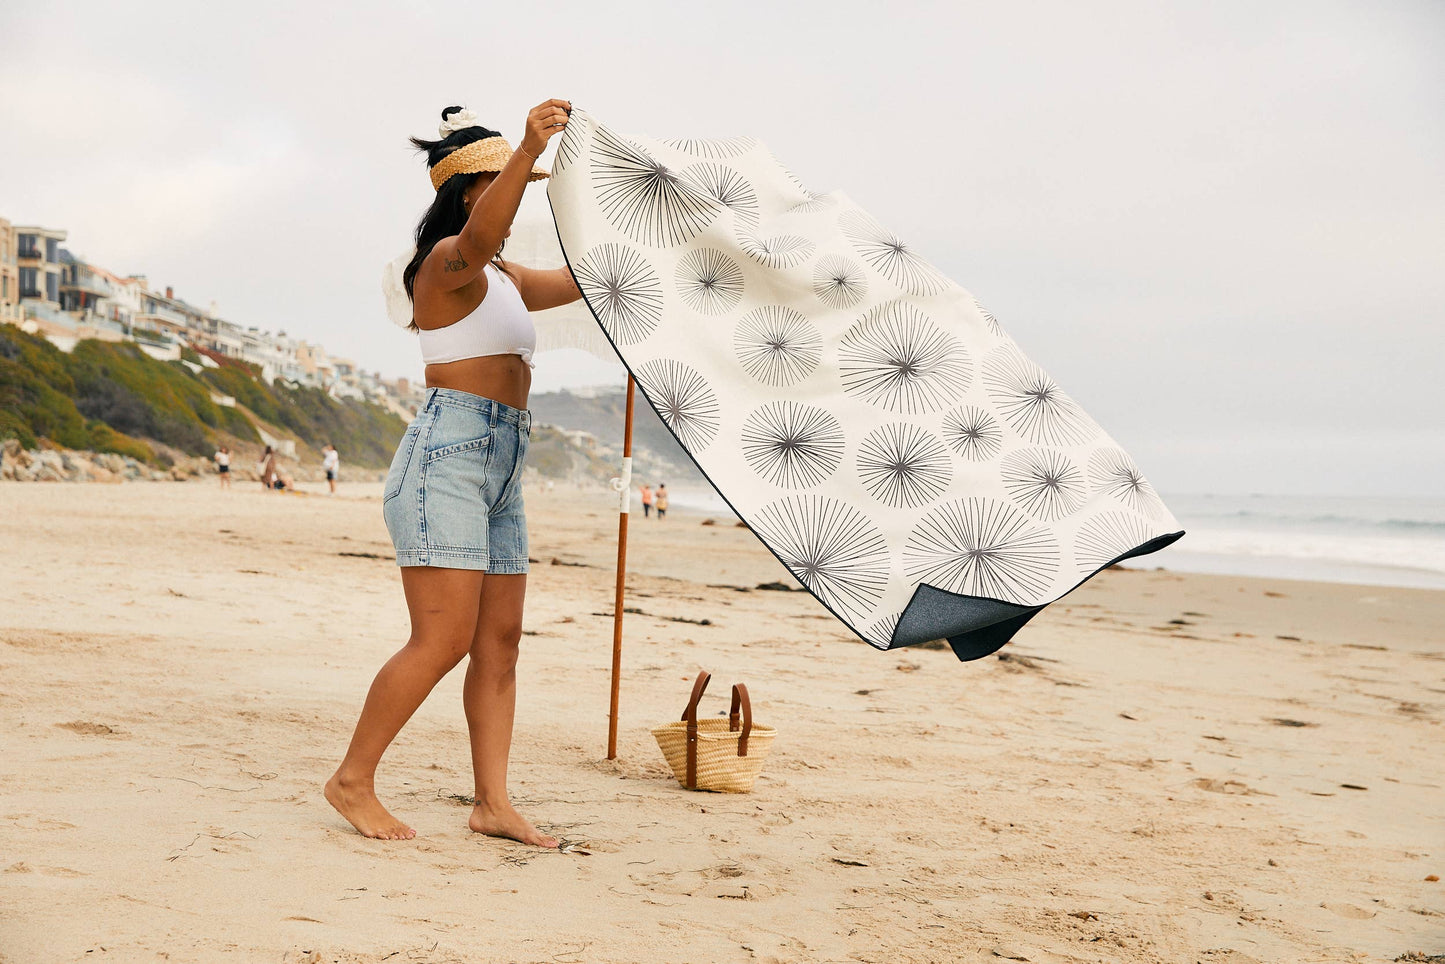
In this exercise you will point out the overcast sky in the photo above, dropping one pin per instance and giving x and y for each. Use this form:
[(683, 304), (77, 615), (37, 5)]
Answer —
[(1220, 225)]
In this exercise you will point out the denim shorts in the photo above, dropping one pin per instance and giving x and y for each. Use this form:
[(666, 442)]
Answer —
[(453, 497)]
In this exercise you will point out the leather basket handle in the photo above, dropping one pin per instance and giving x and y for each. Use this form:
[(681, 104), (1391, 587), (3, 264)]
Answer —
[(689, 715), (740, 697)]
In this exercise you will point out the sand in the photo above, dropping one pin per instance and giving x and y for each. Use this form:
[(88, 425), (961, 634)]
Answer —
[(1164, 767)]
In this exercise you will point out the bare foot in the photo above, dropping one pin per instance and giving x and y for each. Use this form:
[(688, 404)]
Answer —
[(358, 804), (504, 821)]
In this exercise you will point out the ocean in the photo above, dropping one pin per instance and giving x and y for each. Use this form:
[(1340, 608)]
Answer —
[(1353, 539), (1357, 539)]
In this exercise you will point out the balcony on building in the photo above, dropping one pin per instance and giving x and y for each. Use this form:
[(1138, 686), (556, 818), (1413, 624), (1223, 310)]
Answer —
[(39, 244), (77, 276), (38, 310)]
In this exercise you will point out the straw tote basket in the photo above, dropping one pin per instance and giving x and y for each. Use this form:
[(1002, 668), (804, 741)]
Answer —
[(716, 754)]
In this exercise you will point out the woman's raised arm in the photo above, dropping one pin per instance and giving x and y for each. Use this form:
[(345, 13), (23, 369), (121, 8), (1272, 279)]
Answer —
[(457, 260)]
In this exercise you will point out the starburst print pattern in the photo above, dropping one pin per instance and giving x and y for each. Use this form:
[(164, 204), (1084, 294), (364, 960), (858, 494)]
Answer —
[(709, 281), (1031, 402), (813, 203), (792, 445), (973, 433), (776, 250), (899, 360), (981, 547), (1107, 536), (830, 547), (1043, 482), (684, 400), (879, 634), (728, 188), (776, 345), (839, 282), (569, 145), (716, 148), (994, 327), (1115, 474), (889, 256), (621, 290), (643, 198), (902, 465)]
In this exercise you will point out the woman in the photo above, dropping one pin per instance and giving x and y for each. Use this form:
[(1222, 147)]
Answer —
[(223, 466), (271, 478), (266, 469), (453, 500), (331, 462)]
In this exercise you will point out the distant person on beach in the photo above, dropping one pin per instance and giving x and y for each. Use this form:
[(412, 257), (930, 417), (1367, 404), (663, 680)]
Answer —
[(223, 466), (661, 499), (463, 549), (266, 468), (331, 462), (646, 500), (271, 478)]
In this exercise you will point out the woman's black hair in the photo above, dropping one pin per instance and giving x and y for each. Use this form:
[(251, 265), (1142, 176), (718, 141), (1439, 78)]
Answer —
[(448, 214)]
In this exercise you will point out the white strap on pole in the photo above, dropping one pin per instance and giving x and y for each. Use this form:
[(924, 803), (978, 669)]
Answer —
[(623, 487)]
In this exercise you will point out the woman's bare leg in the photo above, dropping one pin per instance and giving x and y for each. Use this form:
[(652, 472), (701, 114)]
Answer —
[(443, 605), (490, 698)]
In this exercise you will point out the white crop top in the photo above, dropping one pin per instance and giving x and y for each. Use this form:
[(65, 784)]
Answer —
[(500, 325)]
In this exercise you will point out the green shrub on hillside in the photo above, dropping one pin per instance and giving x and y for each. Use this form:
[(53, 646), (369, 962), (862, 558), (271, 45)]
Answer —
[(364, 433), (103, 438), (243, 382), (35, 392), (103, 393), (121, 385), (37, 400)]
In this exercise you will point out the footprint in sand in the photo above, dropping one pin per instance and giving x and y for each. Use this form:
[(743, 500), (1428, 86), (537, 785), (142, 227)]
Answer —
[(596, 846), (1224, 786), (1348, 910), (89, 729), (727, 880)]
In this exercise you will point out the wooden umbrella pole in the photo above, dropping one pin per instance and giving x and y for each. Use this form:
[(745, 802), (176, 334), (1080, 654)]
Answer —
[(626, 502)]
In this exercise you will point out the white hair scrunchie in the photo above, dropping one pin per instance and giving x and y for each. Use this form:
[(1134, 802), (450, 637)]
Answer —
[(457, 121)]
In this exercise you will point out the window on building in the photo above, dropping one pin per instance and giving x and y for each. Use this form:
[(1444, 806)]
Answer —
[(27, 246), (52, 286), (27, 283), (52, 250)]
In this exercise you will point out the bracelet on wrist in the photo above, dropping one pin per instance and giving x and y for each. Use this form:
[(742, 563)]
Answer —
[(535, 157)]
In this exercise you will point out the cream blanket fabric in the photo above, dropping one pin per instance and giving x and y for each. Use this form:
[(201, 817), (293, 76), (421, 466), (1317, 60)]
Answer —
[(873, 424)]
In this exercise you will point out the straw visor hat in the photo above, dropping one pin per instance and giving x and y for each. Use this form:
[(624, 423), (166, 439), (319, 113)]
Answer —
[(488, 154)]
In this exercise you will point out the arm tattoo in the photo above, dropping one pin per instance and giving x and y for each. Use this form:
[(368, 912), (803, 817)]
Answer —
[(455, 264)]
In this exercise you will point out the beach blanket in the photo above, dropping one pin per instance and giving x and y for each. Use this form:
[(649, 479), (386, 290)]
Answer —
[(867, 418)]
